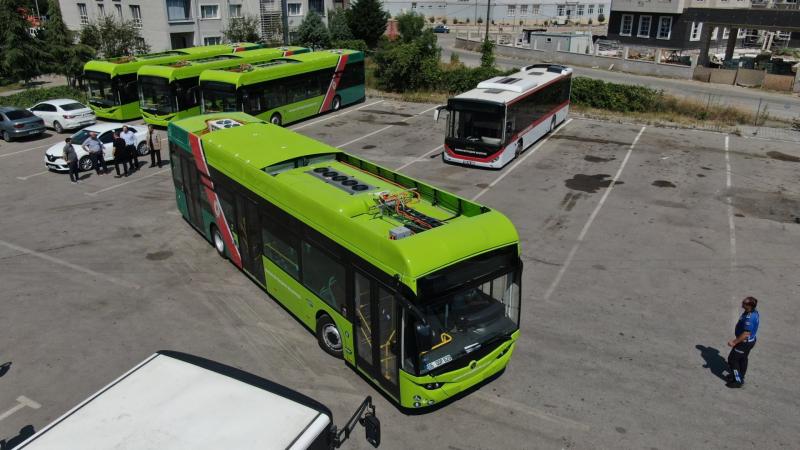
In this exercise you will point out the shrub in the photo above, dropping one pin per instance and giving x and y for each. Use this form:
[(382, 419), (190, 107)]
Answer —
[(30, 97), (601, 18), (480, 20), (615, 97), (352, 44)]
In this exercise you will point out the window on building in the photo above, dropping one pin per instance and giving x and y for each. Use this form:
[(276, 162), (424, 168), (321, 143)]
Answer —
[(234, 11), (101, 9), (212, 40), (644, 26), (523, 10), (626, 25), (178, 10), (511, 11), (580, 10), (535, 10), (664, 27), (209, 11), (590, 10), (136, 13), (295, 9), (714, 33), (741, 33), (413, 5), (697, 28), (601, 9), (726, 32), (318, 6), (560, 10), (83, 13), (119, 10)]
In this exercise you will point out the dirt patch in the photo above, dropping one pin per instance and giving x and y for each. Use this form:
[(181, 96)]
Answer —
[(783, 156), (389, 113), (159, 256), (664, 183), (569, 137), (775, 206), (700, 175), (669, 204), (569, 200), (367, 147), (705, 168), (597, 159), (589, 183)]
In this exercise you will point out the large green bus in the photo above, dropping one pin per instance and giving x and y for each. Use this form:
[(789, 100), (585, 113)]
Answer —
[(170, 91), (416, 288), (111, 83), (288, 89)]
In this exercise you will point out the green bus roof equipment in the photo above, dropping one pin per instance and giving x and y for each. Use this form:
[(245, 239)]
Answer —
[(414, 287), (170, 91), (111, 83), (288, 89)]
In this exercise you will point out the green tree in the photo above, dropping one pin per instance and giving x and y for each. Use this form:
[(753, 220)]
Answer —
[(113, 38), (338, 26), (64, 56), (414, 65), (313, 33), (21, 57), (487, 54), (367, 21), (242, 29), (410, 26)]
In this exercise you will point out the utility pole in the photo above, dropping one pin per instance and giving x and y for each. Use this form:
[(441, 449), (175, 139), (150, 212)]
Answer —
[(488, 13), (285, 18)]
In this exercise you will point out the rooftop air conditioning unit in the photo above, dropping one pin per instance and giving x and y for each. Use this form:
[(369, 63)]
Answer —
[(221, 124)]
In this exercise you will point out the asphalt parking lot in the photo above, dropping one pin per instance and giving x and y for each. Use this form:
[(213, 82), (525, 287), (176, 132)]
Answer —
[(639, 243)]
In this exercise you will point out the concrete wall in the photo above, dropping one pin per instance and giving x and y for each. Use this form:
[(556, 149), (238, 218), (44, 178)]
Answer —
[(778, 82), (722, 76), (749, 77)]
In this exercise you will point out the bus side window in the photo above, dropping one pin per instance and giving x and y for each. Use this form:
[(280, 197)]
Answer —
[(280, 247), (324, 276)]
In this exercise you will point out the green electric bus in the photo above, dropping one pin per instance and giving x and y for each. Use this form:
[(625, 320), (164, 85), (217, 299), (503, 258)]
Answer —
[(111, 83), (170, 91), (414, 287), (288, 89)]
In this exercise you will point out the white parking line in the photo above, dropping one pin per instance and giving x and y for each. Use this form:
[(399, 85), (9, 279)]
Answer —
[(588, 224), (384, 128), (32, 175), (419, 158), (333, 116), (729, 201), (22, 402), (127, 182), (514, 166), (69, 265), (26, 150), (508, 403)]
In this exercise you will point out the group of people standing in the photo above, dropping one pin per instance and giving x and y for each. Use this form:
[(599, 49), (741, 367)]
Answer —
[(124, 151)]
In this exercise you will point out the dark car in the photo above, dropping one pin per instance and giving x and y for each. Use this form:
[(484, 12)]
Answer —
[(441, 29), (16, 123)]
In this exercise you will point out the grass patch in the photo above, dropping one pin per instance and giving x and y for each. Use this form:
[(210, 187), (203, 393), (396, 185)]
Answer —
[(10, 87)]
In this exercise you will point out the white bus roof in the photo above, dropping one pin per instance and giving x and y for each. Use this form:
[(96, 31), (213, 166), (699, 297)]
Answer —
[(178, 401), (508, 88)]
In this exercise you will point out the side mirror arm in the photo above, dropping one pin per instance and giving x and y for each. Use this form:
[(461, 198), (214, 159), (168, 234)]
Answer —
[(365, 409), (437, 112)]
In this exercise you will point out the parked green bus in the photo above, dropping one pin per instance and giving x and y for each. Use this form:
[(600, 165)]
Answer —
[(170, 91), (288, 89), (415, 288), (111, 83)]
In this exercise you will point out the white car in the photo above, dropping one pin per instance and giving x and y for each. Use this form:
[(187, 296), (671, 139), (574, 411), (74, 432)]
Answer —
[(53, 157), (64, 114)]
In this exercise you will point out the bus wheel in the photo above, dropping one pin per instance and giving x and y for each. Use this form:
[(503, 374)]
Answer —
[(57, 126), (85, 163), (275, 119), (219, 244), (336, 103), (328, 336)]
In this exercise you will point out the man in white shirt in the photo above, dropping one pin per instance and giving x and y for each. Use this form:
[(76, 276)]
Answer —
[(130, 146)]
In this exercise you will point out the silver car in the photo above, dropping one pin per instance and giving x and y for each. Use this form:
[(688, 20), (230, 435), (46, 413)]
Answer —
[(16, 123)]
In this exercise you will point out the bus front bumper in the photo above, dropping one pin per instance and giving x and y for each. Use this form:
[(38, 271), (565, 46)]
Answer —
[(160, 121), (426, 391)]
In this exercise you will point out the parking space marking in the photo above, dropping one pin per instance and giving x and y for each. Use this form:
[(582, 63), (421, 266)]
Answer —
[(69, 265), (384, 128), (27, 150), (33, 175), (334, 116), (588, 223), (420, 158), (514, 166), (729, 201), (22, 402), (127, 182)]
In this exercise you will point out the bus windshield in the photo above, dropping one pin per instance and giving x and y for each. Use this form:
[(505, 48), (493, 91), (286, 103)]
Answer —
[(101, 90), (475, 122), (218, 97), (155, 95)]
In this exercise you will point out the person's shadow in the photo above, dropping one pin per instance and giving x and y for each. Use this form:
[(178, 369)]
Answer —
[(24, 433), (4, 368), (714, 361)]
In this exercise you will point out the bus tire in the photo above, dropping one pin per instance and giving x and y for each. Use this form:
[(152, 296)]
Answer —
[(57, 126), (217, 241), (276, 119), (328, 336), (336, 103), (85, 164)]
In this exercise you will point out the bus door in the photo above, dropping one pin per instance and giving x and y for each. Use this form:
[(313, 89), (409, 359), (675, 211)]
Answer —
[(191, 188), (250, 237), (376, 326)]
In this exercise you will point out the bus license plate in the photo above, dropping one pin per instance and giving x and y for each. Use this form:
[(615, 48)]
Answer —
[(439, 362)]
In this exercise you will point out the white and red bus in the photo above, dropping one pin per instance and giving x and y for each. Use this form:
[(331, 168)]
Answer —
[(492, 124)]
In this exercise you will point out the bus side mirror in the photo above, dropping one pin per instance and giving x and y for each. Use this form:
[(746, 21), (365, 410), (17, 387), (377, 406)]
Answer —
[(372, 429), (424, 337), (438, 111)]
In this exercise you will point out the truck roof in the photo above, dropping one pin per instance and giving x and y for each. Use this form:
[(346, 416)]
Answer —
[(175, 400), (506, 89)]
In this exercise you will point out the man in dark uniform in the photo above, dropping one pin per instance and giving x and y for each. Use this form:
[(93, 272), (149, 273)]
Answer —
[(745, 331), (120, 154)]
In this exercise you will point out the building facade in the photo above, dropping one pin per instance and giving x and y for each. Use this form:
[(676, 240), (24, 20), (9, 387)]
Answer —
[(506, 12), (171, 24)]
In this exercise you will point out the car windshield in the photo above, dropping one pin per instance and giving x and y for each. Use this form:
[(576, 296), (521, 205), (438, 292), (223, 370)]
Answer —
[(465, 320), (72, 106), (79, 137), (476, 124), (101, 90), (18, 114), (155, 95)]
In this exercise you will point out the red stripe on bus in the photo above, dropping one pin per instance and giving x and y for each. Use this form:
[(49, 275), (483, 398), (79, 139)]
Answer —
[(513, 138), (288, 53), (538, 88), (337, 76)]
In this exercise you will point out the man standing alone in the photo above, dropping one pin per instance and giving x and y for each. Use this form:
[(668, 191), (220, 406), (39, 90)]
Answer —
[(130, 146), (746, 330), (71, 158), (95, 150)]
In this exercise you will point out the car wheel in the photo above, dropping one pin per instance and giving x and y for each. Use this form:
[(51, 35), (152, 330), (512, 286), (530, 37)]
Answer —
[(336, 103), (276, 119), (6, 136), (328, 336), (85, 163), (57, 126), (219, 243), (142, 149)]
